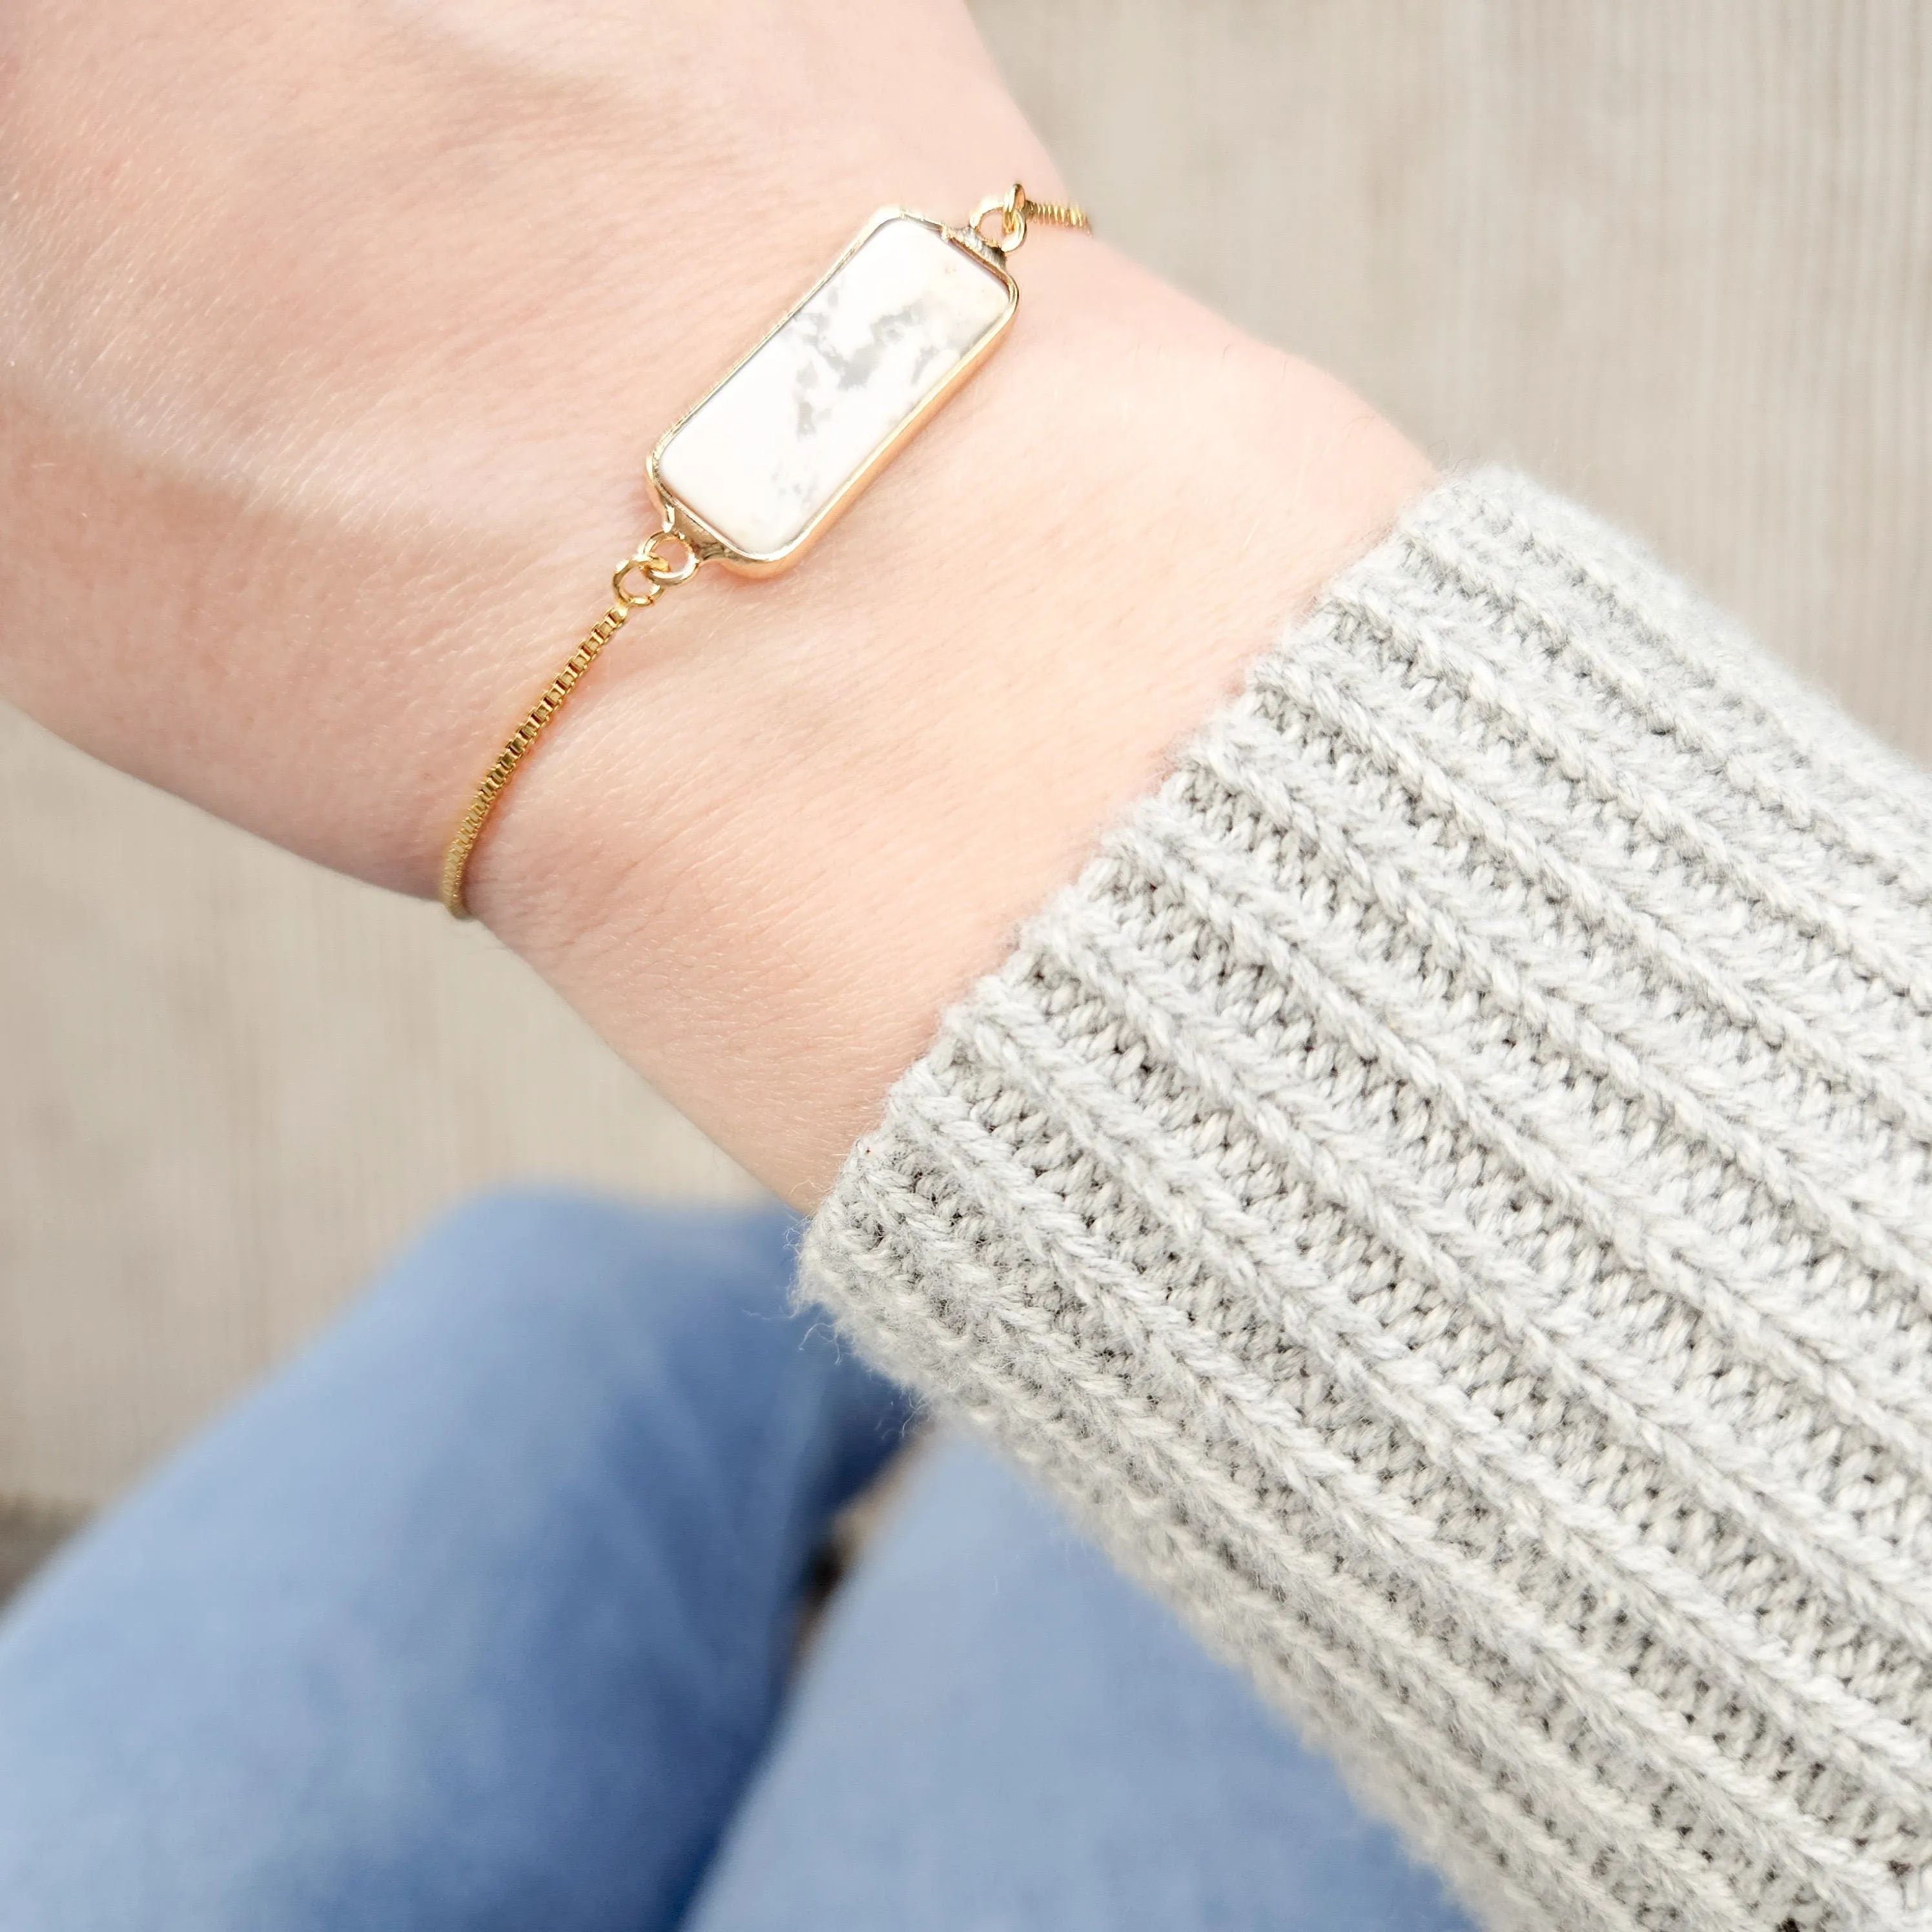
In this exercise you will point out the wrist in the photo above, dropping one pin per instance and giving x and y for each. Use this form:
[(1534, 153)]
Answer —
[(798, 816), (354, 330)]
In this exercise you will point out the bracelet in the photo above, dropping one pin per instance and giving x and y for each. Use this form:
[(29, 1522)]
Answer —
[(763, 462)]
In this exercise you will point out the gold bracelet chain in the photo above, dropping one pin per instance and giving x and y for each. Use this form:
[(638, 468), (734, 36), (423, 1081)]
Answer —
[(669, 556), (1016, 208), (641, 580)]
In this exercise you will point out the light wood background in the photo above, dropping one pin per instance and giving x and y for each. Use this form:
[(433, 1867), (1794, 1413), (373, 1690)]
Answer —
[(1674, 255)]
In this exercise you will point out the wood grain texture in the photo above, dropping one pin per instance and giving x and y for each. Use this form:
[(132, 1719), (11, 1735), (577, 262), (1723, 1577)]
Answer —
[(1674, 258)]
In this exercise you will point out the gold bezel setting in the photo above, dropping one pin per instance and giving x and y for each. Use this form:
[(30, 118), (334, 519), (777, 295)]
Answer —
[(710, 544)]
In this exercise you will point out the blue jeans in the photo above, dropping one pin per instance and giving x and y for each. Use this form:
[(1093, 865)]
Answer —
[(480, 1615)]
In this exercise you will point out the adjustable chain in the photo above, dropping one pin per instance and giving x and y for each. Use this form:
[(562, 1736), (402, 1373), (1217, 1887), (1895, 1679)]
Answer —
[(639, 581), (1016, 208)]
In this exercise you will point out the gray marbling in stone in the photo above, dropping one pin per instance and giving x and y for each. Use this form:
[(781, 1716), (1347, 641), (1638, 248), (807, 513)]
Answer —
[(762, 457)]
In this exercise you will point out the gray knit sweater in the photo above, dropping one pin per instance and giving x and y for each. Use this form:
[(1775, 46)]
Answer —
[(1445, 1196)]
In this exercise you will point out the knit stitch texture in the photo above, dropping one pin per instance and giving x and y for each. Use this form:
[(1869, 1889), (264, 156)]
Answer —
[(1445, 1196)]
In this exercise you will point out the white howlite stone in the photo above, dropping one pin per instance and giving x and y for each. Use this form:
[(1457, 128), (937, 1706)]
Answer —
[(762, 457)]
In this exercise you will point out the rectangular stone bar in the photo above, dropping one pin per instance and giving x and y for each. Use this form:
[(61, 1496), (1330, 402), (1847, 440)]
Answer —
[(771, 454)]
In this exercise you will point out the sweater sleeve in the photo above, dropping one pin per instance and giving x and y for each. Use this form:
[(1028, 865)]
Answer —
[(1445, 1198)]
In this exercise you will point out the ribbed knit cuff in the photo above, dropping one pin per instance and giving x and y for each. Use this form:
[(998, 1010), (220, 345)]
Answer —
[(1444, 1196)]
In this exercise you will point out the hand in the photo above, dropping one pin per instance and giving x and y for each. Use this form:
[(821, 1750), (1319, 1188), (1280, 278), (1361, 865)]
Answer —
[(336, 341)]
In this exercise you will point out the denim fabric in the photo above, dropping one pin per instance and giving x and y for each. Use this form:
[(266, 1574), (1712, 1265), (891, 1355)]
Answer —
[(479, 1616)]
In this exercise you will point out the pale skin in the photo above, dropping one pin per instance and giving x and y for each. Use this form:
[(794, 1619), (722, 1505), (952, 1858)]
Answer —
[(331, 343)]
